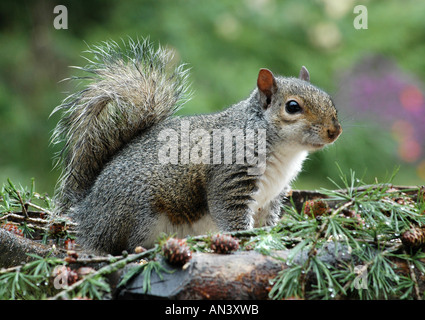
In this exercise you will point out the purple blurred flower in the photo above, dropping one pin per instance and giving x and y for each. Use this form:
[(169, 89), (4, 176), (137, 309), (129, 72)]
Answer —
[(376, 88)]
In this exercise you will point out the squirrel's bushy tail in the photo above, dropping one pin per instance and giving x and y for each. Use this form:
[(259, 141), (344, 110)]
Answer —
[(131, 88)]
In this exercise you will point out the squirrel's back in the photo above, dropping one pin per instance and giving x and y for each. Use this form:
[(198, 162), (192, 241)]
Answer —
[(132, 88)]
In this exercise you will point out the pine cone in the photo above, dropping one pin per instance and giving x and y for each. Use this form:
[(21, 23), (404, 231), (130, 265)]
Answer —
[(71, 257), (414, 237), (69, 244), (221, 243), (12, 228), (57, 229), (176, 251), (314, 208)]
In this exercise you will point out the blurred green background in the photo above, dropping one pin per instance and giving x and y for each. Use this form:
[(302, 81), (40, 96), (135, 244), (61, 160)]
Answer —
[(376, 75)]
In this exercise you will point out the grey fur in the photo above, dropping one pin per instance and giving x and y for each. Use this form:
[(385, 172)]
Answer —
[(116, 187), (131, 90)]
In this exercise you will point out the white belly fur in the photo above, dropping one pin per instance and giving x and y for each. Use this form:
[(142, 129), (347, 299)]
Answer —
[(281, 168)]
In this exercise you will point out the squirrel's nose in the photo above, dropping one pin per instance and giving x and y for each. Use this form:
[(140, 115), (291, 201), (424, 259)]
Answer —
[(334, 132)]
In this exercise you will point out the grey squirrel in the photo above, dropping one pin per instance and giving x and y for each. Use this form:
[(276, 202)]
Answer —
[(133, 170)]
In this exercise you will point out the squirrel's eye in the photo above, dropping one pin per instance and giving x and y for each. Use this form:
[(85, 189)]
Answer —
[(292, 107)]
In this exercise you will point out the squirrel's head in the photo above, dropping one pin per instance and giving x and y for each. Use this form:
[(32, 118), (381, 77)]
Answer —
[(301, 112)]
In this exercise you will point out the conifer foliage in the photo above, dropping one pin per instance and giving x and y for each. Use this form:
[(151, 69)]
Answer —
[(356, 241)]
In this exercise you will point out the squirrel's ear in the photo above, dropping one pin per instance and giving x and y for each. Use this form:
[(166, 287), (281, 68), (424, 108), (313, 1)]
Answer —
[(304, 74), (266, 83)]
